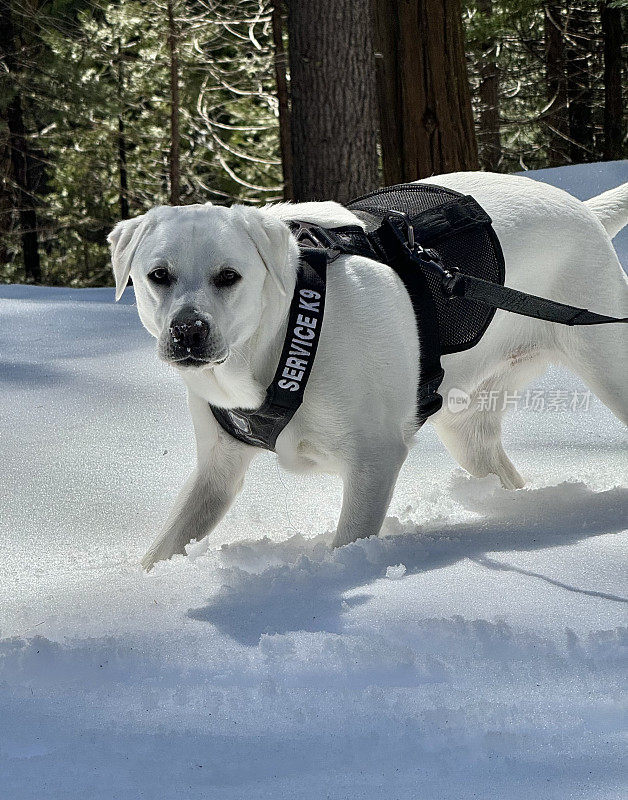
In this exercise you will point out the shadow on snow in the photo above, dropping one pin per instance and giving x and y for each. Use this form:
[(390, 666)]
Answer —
[(299, 585)]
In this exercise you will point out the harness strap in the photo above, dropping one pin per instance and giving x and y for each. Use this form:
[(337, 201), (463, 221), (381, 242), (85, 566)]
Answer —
[(387, 244), (397, 231), (260, 427), (391, 242)]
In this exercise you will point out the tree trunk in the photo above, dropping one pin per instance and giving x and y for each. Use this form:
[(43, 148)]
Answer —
[(19, 152), (556, 86), (424, 95), (334, 111), (25, 195), (612, 36), (579, 86), (122, 148), (124, 185), (285, 143), (6, 202), (175, 159), (489, 138)]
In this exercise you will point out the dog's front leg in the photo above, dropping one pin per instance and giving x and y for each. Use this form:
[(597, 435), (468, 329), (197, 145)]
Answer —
[(368, 486), (208, 493)]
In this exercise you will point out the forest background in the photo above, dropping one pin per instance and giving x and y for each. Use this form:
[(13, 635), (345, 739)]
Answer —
[(108, 108)]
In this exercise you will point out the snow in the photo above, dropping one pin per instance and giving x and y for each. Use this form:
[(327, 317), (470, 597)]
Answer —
[(475, 650), (396, 572)]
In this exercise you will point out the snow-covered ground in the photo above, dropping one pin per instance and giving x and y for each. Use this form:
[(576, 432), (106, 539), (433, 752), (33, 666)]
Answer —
[(264, 665)]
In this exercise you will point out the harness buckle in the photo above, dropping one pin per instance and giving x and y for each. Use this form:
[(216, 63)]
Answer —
[(311, 235), (426, 256), (408, 230), (347, 239)]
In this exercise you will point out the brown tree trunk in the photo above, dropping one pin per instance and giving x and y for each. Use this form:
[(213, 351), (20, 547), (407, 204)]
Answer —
[(122, 167), (556, 86), (6, 202), (579, 93), (175, 159), (612, 36), (19, 151), (489, 139), (123, 192), (27, 204), (424, 96), (285, 142), (334, 111)]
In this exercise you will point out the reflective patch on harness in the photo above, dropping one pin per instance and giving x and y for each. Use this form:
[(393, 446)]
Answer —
[(241, 423)]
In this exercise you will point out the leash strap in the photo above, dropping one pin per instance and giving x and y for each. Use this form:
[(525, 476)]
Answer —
[(528, 305), (396, 234)]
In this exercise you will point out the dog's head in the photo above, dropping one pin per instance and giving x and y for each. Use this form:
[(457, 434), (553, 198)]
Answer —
[(203, 275)]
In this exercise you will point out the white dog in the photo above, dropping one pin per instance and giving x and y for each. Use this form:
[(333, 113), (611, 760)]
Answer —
[(225, 277)]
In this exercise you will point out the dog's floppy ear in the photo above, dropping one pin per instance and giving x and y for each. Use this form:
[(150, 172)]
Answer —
[(124, 239), (271, 238)]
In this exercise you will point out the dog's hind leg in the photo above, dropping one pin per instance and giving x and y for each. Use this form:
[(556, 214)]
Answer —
[(473, 437), (599, 355)]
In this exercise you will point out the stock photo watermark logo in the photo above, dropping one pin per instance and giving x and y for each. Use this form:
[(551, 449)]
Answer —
[(531, 400), (458, 400)]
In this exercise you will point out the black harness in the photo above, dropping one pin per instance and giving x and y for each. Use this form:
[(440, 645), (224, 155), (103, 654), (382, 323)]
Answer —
[(444, 249), (262, 426)]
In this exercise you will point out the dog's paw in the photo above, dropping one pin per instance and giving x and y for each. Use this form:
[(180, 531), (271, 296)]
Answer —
[(149, 561), (158, 552), (162, 549)]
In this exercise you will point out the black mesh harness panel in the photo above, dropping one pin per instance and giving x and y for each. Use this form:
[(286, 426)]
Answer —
[(460, 230)]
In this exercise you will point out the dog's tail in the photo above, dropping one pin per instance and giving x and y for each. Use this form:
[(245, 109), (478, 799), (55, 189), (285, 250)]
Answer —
[(611, 208)]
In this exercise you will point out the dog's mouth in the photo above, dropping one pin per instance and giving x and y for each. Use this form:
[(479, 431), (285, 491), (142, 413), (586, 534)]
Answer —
[(196, 362)]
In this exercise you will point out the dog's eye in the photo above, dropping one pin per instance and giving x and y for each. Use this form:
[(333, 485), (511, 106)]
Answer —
[(227, 277), (160, 276)]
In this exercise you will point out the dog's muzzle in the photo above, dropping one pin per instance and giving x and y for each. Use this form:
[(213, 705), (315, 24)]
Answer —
[(191, 340)]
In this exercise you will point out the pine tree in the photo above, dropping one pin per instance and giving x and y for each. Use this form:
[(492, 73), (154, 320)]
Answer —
[(488, 127)]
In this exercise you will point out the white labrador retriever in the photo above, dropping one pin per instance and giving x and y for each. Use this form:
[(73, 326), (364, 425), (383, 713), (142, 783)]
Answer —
[(214, 285)]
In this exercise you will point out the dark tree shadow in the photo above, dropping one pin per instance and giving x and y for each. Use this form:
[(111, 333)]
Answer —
[(501, 566)]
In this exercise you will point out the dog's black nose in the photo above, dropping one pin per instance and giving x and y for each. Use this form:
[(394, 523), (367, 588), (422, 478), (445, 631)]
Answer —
[(188, 330)]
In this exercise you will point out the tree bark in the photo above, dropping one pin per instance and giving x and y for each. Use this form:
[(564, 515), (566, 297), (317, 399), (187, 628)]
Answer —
[(122, 148), (556, 87), (6, 202), (489, 138), (426, 118), (175, 158), (285, 142), (612, 36), (122, 165), (19, 151), (334, 111), (579, 93)]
